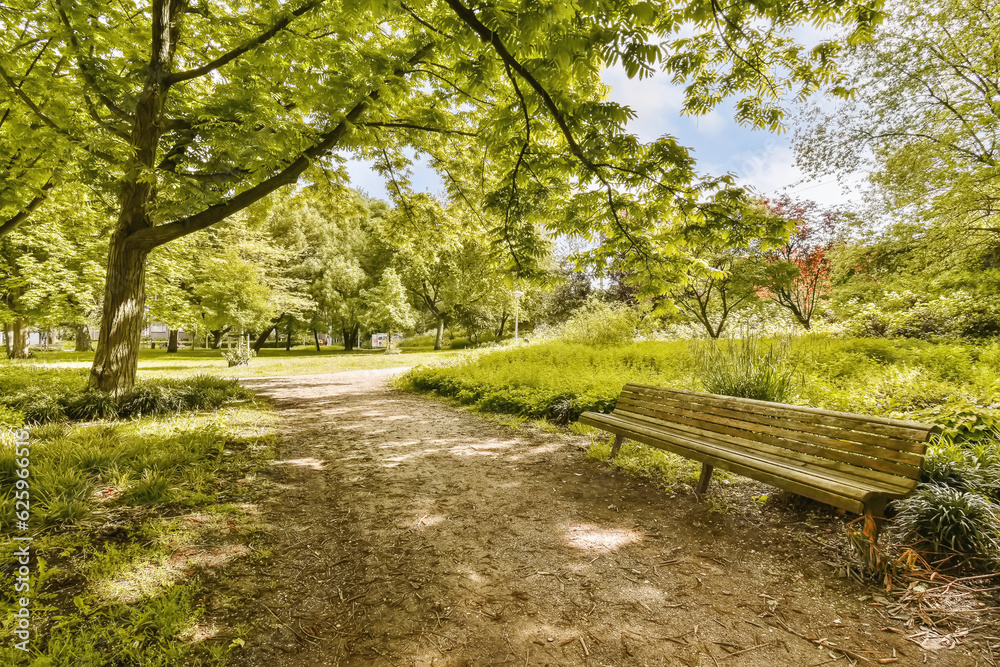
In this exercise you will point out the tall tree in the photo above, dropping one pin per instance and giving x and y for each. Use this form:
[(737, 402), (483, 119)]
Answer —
[(926, 117), (798, 271), (51, 274), (386, 305), (201, 110)]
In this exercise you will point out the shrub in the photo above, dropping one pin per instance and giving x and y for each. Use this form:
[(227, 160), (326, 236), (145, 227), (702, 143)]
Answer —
[(747, 368), (964, 466), (949, 518), (52, 398), (963, 421), (600, 323)]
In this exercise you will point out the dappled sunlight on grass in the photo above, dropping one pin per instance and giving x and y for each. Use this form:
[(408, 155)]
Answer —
[(269, 362)]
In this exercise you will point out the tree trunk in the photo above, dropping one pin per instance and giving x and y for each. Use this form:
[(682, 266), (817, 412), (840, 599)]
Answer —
[(217, 336), (262, 338), (388, 341), (172, 342), (439, 335), (18, 347), (121, 322), (503, 325), (316, 338), (83, 342), (288, 340), (350, 336), (125, 287), (8, 339)]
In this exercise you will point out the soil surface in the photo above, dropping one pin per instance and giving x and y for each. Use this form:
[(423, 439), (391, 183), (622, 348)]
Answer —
[(406, 531)]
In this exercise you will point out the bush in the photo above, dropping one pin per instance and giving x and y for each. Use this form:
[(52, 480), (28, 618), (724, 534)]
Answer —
[(906, 314), (746, 368), (600, 323), (241, 355), (949, 518), (57, 395)]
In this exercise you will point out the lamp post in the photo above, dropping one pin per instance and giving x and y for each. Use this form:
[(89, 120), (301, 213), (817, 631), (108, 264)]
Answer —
[(517, 303)]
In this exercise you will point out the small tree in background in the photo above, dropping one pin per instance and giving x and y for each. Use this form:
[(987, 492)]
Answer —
[(798, 272), (386, 305)]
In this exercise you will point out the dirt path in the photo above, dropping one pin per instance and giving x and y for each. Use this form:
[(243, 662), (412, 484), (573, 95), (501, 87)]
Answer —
[(409, 532)]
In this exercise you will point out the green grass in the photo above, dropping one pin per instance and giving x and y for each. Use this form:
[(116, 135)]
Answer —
[(300, 360), (896, 378), (128, 519)]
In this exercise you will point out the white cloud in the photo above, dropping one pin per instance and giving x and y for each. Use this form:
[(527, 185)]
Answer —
[(771, 170)]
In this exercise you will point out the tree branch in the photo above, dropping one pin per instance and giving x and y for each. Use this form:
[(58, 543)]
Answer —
[(11, 224), (88, 76), (415, 126), (279, 25), (36, 110), (151, 237), (494, 40)]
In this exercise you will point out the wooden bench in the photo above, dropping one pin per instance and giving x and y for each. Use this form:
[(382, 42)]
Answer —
[(854, 462)]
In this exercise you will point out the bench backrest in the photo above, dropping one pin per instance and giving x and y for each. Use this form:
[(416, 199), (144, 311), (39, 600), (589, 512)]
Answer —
[(888, 451)]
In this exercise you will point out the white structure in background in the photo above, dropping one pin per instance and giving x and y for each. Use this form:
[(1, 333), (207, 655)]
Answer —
[(34, 338), (381, 339), (160, 332)]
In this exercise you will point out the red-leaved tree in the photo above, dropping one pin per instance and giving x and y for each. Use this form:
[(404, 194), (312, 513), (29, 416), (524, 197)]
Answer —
[(798, 272)]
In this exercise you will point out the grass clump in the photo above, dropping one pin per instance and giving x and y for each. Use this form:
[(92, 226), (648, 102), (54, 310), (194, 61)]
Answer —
[(746, 368), (948, 518)]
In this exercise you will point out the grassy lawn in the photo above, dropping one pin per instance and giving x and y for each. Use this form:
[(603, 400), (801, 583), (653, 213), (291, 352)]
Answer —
[(301, 360), (130, 522)]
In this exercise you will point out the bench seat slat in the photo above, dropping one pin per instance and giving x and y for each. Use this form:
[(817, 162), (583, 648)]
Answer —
[(786, 422), (798, 481), (873, 477), (861, 487), (892, 428), (779, 437)]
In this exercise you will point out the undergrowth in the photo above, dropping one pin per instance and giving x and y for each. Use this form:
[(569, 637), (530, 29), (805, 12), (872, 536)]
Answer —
[(32, 395), (128, 519)]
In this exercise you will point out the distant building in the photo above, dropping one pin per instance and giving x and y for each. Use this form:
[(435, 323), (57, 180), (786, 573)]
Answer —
[(158, 331), (380, 339)]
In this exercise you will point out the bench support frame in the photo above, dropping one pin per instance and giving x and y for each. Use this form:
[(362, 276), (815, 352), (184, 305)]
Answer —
[(617, 445), (706, 477)]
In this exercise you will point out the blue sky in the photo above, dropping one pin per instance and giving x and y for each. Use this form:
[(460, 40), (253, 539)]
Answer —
[(760, 159)]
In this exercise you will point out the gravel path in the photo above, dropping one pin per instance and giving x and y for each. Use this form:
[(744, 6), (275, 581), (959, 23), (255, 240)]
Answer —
[(409, 532)]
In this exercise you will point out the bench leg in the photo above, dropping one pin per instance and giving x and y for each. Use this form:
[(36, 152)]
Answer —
[(706, 477), (874, 518), (619, 439)]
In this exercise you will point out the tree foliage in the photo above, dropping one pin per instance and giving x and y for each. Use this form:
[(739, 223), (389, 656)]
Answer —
[(197, 111), (926, 116)]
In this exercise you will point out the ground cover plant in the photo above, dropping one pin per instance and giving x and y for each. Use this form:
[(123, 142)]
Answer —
[(33, 395), (952, 385), (130, 518)]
